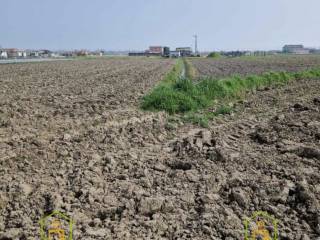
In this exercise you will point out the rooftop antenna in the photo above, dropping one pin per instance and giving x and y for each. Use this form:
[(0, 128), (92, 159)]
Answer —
[(195, 44)]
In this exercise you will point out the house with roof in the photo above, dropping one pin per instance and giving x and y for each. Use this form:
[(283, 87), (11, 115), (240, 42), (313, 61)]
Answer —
[(16, 53), (33, 53), (295, 49), (184, 51)]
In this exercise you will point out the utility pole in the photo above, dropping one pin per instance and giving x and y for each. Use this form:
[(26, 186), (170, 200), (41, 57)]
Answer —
[(195, 44)]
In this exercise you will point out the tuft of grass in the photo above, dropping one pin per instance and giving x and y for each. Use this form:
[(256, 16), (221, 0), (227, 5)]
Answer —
[(197, 119), (202, 119), (181, 96), (222, 110)]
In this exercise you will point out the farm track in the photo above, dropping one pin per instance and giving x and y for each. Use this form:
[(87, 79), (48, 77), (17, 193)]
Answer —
[(79, 144)]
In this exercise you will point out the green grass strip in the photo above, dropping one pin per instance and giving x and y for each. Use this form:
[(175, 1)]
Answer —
[(175, 95), (191, 72)]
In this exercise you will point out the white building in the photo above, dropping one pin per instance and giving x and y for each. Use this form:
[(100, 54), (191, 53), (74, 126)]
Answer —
[(295, 49), (33, 54), (175, 54), (3, 54), (16, 53)]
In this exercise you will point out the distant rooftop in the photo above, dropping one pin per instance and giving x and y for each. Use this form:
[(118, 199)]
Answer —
[(294, 45)]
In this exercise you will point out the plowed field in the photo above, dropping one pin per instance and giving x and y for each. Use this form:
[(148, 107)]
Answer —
[(224, 67), (72, 139)]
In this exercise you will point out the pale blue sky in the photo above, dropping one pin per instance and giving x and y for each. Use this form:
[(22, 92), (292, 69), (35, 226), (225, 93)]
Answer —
[(136, 24)]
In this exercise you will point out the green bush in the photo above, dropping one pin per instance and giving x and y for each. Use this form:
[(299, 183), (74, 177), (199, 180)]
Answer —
[(214, 55)]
